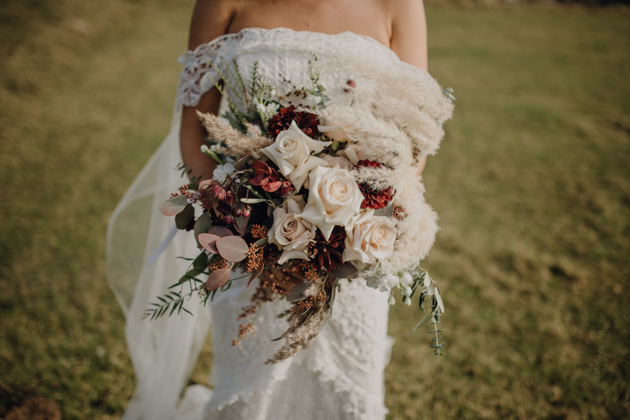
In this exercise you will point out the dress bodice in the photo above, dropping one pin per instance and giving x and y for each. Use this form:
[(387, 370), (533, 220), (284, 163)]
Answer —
[(280, 53)]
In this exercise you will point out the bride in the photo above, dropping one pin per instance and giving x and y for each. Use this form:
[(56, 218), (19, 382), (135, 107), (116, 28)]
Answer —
[(340, 376)]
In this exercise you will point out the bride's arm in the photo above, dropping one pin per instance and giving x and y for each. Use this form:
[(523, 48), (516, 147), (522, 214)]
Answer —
[(210, 19), (409, 38)]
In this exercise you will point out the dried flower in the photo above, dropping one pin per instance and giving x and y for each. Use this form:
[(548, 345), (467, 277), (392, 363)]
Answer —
[(259, 231), (254, 258), (286, 189), (217, 191), (306, 121), (266, 177), (228, 219), (399, 213), (328, 254), (373, 199)]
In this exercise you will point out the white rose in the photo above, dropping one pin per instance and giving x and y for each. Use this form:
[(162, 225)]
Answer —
[(221, 172), (370, 238), (292, 153), (354, 154), (289, 233), (338, 162), (334, 199), (335, 131)]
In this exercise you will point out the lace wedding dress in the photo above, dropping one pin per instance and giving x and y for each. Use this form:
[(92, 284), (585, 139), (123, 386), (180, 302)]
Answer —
[(340, 376)]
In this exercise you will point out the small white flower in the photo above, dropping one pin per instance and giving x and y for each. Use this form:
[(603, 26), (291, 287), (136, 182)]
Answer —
[(407, 301), (222, 172), (406, 279), (391, 300), (204, 149)]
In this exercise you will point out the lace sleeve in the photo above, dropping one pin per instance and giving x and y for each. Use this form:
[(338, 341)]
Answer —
[(197, 76)]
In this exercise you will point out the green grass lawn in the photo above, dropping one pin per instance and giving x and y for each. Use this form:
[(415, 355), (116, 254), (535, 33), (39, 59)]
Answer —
[(532, 185)]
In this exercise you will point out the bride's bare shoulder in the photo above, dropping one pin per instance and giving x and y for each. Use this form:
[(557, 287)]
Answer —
[(210, 19), (408, 31)]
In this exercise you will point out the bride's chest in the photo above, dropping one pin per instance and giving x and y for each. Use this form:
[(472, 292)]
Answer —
[(364, 17)]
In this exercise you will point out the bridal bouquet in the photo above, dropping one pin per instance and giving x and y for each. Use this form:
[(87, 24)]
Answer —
[(317, 194)]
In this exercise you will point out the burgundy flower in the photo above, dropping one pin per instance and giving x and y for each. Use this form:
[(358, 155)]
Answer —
[(328, 254), (306, 121), (229, 198), (286, 190), (266, 177), (374, 199), (228, 219)]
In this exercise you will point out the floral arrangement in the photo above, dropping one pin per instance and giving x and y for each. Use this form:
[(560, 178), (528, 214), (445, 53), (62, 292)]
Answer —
[(316, 193)]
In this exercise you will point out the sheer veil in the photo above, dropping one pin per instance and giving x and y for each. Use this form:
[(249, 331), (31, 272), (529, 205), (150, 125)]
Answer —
[(163, 351)]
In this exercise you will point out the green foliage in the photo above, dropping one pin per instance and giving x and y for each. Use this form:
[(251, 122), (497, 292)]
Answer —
[(173, 301)]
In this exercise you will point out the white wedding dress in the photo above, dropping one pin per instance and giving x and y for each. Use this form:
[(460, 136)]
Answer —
[(340, 376)]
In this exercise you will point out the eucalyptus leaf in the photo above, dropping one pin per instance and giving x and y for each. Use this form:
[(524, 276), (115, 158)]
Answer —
[(184, 217), (203, 224), (174, 205), (346, 271), (423, 322), (264, 241), (201, 262), (253, 200)]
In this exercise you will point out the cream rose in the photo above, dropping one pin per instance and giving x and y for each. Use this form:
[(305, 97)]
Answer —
[(289, 233), (370, 238), (334, 199), (292, 153), (354, 154), (338, 162), (334, 130)]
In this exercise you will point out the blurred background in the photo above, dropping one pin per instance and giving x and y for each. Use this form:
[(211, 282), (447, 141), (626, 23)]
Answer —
[(532, 185)]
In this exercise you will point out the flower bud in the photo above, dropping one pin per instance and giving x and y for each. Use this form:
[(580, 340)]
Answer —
[(228, 219)]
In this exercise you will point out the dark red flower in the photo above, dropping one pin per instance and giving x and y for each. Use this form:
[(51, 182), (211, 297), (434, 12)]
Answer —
[(306, 121), (374, 199), (286, 190), (328, 254), (266, 177), (229, 198)]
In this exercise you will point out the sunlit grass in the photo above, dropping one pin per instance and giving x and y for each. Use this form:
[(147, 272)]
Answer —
[(532, 186)]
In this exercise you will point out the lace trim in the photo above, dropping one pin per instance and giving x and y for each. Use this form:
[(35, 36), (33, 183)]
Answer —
[(198, 76)]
